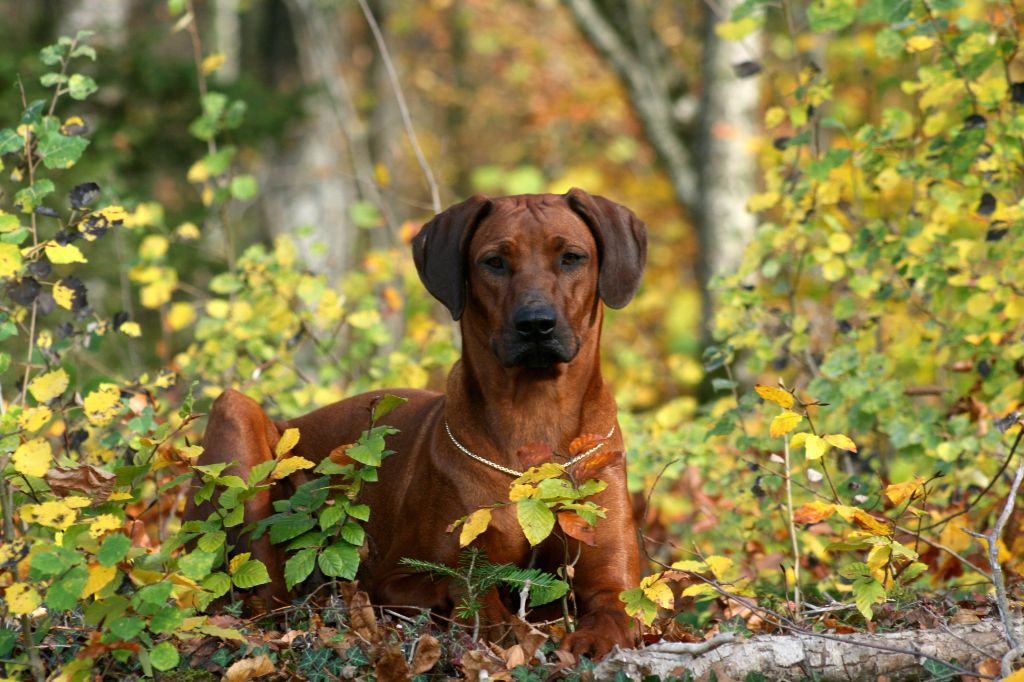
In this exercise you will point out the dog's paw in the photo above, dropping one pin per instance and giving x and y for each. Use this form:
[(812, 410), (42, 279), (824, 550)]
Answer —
[(598, 632)]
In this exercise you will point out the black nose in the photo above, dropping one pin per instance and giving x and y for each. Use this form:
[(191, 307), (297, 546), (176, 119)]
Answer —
[(535, 322)]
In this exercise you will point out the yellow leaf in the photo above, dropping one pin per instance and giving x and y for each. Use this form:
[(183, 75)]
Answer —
[(658, 591), (737, 30), (197, 172), (815, 447), (364, 319), (700, 590), (774, 116), (541, 473), (838, 440), (180, 316), (130, 328), (46, 387), (476, 523), (979, 304), (60, 255), (690, 565), (919, 43), (780, 397), (840, 242), (80, 501), (99, 577), (720, 566), (289, 439), (22, 599), (798, 440), (187, 231), (863, 520), (784, 423), (153, 247), (212, 62), (34, 418), (1017, 676), (53, 514), (103, 524), (103, 404), (33, 458), (898, 493), (760, 202), (288, 466), (10, 260), (238, 560), (520, 490)]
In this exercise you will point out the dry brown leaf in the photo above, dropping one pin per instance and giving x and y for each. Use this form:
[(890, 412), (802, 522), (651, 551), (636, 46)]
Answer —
[(96, 483), (362, 620), (428, 653), (249, 669), (391, 665), (474, 661), (528, 636)]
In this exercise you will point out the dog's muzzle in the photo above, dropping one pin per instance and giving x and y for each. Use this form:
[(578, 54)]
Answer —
[(536, 339)]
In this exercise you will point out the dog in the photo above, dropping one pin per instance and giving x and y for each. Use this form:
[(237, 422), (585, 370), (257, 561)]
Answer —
[(527, 278)]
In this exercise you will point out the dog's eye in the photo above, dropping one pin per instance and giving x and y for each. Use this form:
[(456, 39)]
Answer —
[(570, 259), (496, 263)]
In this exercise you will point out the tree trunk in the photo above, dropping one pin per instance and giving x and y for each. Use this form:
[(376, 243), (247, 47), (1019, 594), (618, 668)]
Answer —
[(905, 655), (726, 166)]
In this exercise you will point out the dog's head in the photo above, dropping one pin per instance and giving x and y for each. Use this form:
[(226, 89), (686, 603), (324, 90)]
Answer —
[(530, 270)]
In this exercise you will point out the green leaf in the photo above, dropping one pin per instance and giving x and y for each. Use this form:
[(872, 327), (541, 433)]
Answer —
[(211, 542), (164, 656), (365, 454), (244, 187), (113, 549), (166, 620), (61, 151), (545, 594), (31, 197), (250, 574), (385, 405), (290, 526), (365, 214), (359, 511), (234, 517), (51, 54), (9, 222), (329, 516), (197, 564), (7, 640), (867, 591), (126, 628), (10, 141), (84, 51), (80, 87), (51, 561), (637, 604), (535, 518), (353, 533), (217, 583), (831, 15), (63, 595), (299, 566), (156, 594), (340, 560)]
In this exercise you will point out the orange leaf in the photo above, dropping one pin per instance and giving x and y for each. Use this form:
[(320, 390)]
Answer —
[(585, 442), (592, 466), (573, 525), (900, 492), (780, 397), (813, 512)]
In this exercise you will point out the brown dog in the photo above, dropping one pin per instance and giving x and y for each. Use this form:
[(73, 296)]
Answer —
[(526, 276)]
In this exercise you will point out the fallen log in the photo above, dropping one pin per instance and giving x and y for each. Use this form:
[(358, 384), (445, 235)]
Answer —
[(905, 655)]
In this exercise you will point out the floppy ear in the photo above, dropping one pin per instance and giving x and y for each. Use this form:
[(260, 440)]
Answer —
[(439, 250), (621, 245)]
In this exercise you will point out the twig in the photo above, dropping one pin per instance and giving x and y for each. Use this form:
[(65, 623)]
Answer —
[(396, 87), (992, 539), (792, 534), (524, 595), (694, 648)]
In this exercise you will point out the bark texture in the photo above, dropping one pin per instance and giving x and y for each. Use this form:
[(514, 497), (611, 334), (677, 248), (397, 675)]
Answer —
[(894, 655)]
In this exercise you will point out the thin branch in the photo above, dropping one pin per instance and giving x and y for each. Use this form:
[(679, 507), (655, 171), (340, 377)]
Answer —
[(792, 533), (435, 195)]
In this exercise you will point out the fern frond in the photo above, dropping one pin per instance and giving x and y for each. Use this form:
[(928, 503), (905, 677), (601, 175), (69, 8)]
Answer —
[(420, 566)]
